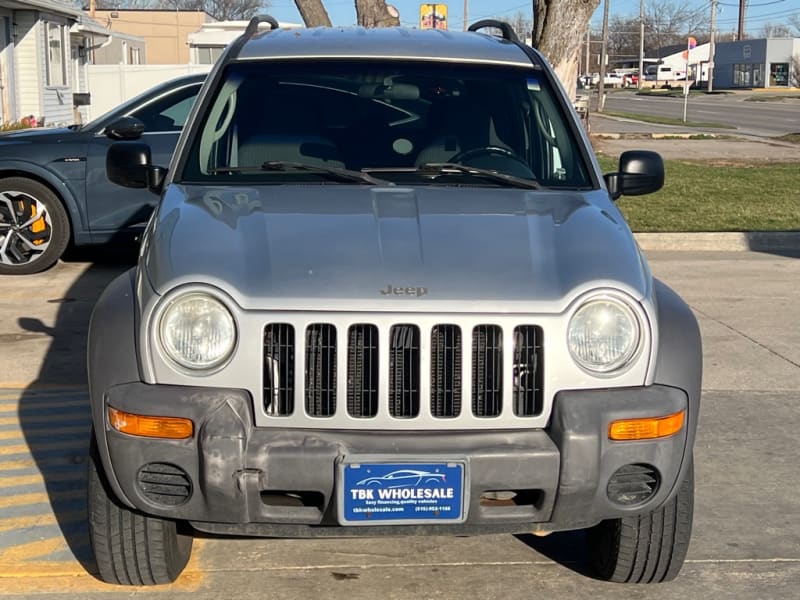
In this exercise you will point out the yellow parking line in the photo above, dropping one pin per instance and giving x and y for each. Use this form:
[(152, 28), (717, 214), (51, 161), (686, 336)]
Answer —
[(14, 435), (39, 498), (35, 420), (8, 405), (36, 447), (9, 524), (20, 480), (22, 552), (13, 465), (69, 577)]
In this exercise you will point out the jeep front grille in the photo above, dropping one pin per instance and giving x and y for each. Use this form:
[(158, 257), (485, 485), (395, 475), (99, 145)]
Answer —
[(388, 373), (446, 371)]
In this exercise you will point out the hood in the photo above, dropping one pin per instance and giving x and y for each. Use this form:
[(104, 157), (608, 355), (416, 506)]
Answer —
[(36, 134), (425, 248)]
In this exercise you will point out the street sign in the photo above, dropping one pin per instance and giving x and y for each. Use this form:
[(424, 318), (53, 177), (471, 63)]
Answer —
[(433, 16)]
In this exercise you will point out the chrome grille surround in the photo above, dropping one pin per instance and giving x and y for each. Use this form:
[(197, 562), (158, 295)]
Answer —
[(437, 372)]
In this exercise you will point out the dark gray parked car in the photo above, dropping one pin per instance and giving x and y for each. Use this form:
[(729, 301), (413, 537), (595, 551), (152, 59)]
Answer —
[(387, 291), (53, 184)]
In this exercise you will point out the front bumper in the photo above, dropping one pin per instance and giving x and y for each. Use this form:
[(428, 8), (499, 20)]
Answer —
[(236, 471)]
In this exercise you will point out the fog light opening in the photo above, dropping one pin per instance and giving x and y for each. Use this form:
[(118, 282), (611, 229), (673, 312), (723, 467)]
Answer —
[(633, 484)]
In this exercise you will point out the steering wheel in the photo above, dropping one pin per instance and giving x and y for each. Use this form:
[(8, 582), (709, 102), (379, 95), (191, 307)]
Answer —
[(496, 151), (485, 151)]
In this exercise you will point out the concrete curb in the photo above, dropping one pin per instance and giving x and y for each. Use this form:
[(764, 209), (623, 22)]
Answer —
[(742, 241)]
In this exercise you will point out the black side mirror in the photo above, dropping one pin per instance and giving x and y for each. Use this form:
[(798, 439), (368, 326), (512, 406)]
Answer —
[(128, 165), (125, 128), (640, 172)]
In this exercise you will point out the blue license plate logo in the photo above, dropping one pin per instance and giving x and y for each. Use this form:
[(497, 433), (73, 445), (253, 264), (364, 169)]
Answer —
[(402, 492)]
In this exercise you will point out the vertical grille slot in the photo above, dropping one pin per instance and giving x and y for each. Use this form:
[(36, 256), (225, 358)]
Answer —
[(404, 371), (487, 371), (446, 371), (320, 370), (528, 375), (362, 371), (279, 369)]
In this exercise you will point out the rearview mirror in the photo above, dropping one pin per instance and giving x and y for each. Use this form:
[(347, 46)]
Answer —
[(125, 128)]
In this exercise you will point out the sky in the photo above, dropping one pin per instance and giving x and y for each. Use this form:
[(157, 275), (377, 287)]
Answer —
[(759, 12)]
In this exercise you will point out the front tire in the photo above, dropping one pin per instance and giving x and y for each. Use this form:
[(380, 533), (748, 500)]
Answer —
[(131, 548), (34, 228), (647, 548)]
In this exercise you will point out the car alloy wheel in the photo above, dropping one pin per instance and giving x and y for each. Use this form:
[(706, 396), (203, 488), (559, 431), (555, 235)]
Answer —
[(33, 227)]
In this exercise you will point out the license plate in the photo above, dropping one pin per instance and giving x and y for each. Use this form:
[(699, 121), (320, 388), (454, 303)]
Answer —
[(397, 493)]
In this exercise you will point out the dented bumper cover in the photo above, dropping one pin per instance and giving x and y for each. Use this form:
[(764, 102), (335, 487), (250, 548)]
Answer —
[(235, 470)]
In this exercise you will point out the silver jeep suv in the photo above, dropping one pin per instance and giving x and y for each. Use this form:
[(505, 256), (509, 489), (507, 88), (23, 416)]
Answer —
[(387, 292)]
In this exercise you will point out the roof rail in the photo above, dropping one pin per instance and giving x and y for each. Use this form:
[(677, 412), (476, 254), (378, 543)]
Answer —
[(505, 28), (252, 26)]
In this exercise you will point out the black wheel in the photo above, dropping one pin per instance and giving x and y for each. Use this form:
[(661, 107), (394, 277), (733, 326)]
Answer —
[(34, 228), (649, 548), (131, 548)]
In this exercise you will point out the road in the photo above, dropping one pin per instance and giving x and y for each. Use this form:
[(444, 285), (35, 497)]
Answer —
[(736, 110), (746, 540)]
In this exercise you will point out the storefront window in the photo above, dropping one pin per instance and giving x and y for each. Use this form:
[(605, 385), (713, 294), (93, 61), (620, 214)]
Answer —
[(742, 75), (779, 74)]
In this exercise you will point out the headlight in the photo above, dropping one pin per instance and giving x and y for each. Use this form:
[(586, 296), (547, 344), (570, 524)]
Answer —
[(197, 331), (603, 335)]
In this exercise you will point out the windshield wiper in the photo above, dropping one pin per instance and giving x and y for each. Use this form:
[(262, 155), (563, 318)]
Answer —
[(448, 168), (287, 165)]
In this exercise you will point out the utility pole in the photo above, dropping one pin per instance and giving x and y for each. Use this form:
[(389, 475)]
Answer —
[(466, 14), (641, 45), (711, 46), (603, 58), (740, 35), (588, 48)]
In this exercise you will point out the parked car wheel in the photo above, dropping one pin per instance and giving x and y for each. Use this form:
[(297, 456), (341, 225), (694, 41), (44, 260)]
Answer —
[(34, 228), (131, 548), (648, 548)]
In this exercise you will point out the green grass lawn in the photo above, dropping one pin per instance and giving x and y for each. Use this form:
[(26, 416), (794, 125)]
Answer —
[(703, 197)]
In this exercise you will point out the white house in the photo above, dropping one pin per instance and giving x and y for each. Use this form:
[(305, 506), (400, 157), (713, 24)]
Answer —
[(207, 43), (44, 52)]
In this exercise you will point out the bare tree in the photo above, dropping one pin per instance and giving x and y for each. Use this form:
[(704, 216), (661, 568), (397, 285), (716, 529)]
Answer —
[(313, 13), (376, 13), (775, 30), (223, 10), (668, 23), (559, 31), (794, 72)]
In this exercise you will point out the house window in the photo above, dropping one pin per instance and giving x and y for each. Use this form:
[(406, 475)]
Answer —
[(208, 55), (56, 76), (134, 56)]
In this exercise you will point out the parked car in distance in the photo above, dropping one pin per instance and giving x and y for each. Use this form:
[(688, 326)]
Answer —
[(387, 255), (613, 80), (53, 184)]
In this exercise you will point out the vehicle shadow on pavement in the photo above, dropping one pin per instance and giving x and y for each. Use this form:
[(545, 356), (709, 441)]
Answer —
[(55, 420), (567, 548)]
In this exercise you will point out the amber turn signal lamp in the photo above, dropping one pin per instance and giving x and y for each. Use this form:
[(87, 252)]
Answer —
[(172, 428), (646, 429)]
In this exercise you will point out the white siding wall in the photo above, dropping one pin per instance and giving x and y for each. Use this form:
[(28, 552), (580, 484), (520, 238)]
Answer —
[(29, 77), (57, 100)]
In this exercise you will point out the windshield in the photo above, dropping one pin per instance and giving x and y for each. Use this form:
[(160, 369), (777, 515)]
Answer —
[(392, 119)]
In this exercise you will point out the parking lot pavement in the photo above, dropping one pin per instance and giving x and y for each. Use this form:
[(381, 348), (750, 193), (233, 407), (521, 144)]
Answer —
[(746, 541)]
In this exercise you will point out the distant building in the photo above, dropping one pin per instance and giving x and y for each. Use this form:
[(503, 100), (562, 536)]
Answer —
[(165, 32), (758, 63), (207, 43)]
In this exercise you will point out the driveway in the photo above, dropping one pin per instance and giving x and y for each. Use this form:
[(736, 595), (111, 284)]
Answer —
[(746, 540)]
